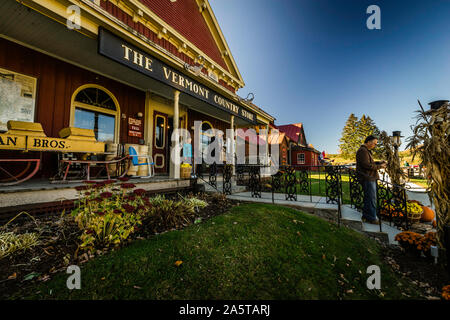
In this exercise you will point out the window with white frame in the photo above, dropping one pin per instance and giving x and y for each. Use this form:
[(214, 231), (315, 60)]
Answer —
[(300, 158)]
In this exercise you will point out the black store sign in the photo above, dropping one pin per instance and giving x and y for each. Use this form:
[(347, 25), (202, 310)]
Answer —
[(121, 51)]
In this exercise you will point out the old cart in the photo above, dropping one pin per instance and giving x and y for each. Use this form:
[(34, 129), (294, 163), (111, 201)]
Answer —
[(25, 137)]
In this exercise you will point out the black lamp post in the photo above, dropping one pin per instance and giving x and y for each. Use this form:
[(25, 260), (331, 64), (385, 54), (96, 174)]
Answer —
[(396, 141), (434, 105)]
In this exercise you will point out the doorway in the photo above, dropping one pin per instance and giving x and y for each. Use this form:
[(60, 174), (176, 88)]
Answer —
[(160, 141)]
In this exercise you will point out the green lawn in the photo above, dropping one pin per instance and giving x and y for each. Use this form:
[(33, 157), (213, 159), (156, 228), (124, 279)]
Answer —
[(420, 182), (256, 251)]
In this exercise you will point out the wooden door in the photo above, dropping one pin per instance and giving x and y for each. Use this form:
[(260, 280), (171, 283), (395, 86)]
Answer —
[(160, 141)]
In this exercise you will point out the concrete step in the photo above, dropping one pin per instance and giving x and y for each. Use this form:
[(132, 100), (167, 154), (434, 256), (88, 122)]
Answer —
[(354, 217), (234, 187)]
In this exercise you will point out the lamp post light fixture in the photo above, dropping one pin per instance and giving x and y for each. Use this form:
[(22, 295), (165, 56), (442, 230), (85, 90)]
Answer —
[(396, 141), (434, 105)]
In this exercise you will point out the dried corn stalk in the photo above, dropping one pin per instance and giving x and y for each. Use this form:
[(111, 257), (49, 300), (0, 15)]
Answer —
[(430, 141), (393, 162)]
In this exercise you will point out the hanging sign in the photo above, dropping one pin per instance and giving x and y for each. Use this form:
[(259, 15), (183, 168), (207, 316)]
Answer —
[(125, 53), (135, 127)]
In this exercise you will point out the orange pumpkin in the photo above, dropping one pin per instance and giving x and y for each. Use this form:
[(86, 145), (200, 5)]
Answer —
[(434, 223), (427, 214)]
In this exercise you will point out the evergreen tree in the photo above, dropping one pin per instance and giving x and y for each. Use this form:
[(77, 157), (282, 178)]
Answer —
[(349, 144), (355, 132), (367, 127)]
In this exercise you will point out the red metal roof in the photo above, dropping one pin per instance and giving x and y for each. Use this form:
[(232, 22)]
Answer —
[(185, 17), (293, 131)]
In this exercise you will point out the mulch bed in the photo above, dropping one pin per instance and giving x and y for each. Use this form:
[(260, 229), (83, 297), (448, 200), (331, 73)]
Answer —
[(59, 238), (430, 278), (58, 247)]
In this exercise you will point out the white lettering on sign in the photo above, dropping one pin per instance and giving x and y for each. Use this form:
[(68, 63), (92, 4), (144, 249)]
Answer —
[(224, 103), (142, 61), (138, 58), (185, 83), (136, 122)]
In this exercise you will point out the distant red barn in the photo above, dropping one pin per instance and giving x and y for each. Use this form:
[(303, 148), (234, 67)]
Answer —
[(300, 152)]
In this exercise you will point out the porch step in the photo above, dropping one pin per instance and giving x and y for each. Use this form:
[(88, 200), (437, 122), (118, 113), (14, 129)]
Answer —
[(355, 218), (234, 187)]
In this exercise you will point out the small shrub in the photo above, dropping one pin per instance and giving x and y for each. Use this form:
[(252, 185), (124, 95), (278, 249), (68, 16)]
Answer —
[(416, 243), (194, 202), (108, 214), (446, 292), (168, 214)]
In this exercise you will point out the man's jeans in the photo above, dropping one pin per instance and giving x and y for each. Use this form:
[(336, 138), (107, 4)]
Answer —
[(370, 200)]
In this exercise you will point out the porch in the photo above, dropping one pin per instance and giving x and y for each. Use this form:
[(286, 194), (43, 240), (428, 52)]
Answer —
[(42, 197)]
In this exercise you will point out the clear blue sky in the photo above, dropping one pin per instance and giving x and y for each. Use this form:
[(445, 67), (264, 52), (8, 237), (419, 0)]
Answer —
[(315, 61)]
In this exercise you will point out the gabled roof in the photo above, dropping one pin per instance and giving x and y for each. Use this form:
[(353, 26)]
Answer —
[(294, 132), (195, 21)]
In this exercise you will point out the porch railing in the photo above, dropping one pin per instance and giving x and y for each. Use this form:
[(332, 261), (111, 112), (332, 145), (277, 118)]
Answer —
[(338, 184)]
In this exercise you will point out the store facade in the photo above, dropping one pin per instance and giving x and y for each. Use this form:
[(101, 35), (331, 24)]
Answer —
[(129, 73)]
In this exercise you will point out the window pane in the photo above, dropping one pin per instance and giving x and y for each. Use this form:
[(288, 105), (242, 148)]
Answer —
[(102, 124), (96, 97), (106, 126), (84, 119), (159, 132)]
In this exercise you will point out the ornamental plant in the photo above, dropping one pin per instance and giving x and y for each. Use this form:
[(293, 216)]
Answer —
[(108, 213), (414, 210), (415, 242), (425, 243), (446, 292)]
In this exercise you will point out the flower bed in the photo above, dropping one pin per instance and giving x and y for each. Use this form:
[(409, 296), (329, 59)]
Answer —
[(416, 243), (414, 210), (106, 216)]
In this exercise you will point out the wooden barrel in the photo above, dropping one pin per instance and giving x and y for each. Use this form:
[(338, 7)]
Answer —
[(132, 171), (111, 167), (143, 170), (112, 147)]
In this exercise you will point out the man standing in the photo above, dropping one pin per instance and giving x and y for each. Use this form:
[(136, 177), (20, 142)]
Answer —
[(367, 171)]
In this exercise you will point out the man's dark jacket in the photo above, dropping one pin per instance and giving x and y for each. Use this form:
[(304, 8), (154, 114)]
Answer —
[(366, 168)]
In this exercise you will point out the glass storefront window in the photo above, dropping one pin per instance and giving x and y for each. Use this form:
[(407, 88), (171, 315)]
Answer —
[(102, 124), (96, 109)]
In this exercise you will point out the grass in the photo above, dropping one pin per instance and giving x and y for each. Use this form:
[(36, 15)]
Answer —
[(420, 182), (256, 251)]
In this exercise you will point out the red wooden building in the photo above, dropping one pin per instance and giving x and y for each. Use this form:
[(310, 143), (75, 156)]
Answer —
[(300, 152), (163, 64)]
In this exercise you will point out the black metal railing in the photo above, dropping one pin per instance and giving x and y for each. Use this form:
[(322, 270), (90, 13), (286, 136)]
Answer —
[(391, 200), (338, 184), (214, 170)]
